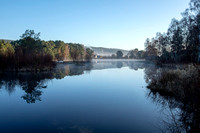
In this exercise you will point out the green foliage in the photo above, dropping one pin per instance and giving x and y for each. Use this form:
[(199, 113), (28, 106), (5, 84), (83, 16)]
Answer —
[(119, 54), (31, 34), (77, 51), (59, 50), (181, 43), (31, 52), (89, 54), (141, 54), (6, 54), (6, 49), (136, 54)]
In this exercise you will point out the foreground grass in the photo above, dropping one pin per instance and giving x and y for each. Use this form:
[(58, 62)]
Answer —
[(181, 83), (179, 90)]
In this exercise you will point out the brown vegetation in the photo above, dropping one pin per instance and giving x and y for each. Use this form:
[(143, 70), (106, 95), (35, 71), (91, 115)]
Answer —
[(181, 83), (31, 54)]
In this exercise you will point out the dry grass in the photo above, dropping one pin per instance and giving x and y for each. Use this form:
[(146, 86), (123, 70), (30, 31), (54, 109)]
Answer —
[(180, 82)]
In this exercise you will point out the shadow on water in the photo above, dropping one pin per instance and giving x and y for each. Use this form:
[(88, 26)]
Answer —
[(33, 83), (181, 112)]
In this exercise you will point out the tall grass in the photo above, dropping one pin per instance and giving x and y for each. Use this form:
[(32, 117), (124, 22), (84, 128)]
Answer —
[(182, 83)]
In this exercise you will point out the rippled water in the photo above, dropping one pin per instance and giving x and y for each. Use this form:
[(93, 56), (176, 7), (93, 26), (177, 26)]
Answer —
[(97, 97)]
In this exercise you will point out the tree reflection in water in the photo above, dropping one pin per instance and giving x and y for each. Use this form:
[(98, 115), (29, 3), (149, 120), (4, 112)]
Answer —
[(33, 83), (182, 114)]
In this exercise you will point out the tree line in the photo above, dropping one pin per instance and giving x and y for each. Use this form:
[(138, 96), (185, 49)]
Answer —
[(132, 54), (181, 42), (31, 51)]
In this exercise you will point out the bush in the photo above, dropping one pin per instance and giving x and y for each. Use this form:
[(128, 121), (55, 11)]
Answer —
[(181, 83)]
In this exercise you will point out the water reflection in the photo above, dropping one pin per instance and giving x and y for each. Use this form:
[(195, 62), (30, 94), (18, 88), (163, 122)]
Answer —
[(182, 114), (178, 114), (33, 83)]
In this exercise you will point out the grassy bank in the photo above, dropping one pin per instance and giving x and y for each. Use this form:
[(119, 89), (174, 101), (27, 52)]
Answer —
[(182, 82)]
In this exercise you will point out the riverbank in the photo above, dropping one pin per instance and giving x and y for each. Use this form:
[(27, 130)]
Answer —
[(42, 68), (182, 82), (55, 63)]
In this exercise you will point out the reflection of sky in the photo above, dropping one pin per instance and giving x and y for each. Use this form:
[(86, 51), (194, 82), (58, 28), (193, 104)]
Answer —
[(103, 100)]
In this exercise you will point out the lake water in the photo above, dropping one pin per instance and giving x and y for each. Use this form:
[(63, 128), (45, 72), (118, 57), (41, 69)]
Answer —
[(97, 97)]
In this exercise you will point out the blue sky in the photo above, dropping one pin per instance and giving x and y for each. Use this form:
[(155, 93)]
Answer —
[(105, 23)]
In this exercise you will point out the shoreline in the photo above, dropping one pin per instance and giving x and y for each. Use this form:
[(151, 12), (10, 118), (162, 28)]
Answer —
[(55, 63)]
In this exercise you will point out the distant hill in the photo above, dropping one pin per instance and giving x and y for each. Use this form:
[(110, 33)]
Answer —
[(107, 51), (6, 40)]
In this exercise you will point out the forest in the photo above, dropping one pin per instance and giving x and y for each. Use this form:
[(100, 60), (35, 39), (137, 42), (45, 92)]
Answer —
[(181, 42), (32, 52)]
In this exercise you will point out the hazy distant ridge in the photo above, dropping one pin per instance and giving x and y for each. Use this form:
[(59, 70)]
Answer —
[(6, 40), (107, 51)]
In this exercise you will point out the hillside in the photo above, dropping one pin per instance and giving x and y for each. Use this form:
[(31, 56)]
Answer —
[(6, 40), (107, 51)]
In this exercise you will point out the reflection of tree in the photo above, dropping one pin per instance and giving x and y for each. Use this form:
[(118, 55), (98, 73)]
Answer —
[(150, 73), (33, 90), (170, 123), (8, 82), (183, 111), (72, 69), (119, 64), (33, 83), (32, 95), (136, 65)]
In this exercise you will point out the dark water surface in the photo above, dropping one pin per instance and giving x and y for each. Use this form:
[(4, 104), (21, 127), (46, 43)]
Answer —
[(97, 97)]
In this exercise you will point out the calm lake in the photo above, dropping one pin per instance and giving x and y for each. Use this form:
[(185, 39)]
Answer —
[(97, 97)]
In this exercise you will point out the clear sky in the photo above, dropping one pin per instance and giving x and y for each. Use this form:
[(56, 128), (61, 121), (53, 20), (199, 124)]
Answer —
[(105, 23)]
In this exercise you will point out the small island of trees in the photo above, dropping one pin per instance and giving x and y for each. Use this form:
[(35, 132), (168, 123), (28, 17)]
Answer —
[(32, 53)]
